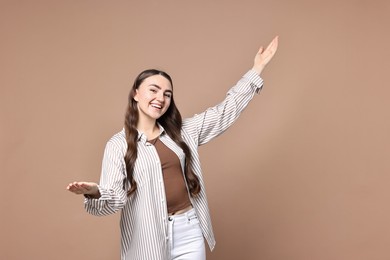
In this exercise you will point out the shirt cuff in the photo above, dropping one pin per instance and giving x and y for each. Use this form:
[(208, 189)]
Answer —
[(255, 80)]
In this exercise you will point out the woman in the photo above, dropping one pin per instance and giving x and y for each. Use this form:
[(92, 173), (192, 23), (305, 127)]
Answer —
[(151, 169)]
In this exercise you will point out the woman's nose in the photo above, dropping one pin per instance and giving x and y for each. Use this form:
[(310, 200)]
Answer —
[(160, 96)]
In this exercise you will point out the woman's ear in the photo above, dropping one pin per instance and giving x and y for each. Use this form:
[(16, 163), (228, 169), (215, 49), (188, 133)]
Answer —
[(136, 95)]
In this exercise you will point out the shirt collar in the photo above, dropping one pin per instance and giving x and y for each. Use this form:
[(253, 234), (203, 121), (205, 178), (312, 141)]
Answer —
[(142, 137)]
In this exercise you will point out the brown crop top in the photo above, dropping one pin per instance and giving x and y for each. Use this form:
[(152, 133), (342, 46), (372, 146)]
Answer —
[(175, 187)]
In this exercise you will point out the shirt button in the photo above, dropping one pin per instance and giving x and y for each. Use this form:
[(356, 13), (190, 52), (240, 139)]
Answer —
[(170, 218)]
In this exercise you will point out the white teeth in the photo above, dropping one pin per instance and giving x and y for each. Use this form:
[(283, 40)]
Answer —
[(156, 106)]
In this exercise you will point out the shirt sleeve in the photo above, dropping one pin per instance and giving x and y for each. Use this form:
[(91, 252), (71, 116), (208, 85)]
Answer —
[(113, 195), (215, 120)]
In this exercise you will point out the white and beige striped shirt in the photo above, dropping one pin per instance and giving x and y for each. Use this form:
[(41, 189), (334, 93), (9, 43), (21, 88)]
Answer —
[(143, 221)]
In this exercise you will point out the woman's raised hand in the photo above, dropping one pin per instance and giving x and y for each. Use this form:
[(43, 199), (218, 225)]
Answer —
[(86, 188), (263, 56)]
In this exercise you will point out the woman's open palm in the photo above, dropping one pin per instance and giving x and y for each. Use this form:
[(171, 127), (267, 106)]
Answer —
[(86, 188), (264, 56)]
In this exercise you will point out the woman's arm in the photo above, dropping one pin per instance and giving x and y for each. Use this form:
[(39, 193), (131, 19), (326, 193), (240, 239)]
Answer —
[(215, 120), (109, 195)]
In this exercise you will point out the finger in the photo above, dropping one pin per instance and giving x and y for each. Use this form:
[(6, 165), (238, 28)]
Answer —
[(79, 188), (78, 191), (73, 189), (270, 51), (273, 45), (86, 186), (70, 186)]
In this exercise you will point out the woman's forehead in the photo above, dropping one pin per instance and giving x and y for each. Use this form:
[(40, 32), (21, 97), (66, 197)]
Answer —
[(159, 81)]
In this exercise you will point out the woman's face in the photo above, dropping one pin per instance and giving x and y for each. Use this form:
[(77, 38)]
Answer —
[(153, 97)]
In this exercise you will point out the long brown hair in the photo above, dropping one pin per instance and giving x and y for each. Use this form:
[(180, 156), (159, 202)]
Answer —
[(171, 121)]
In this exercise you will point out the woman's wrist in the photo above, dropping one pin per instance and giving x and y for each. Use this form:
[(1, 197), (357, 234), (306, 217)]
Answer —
[(258, 69), (93, 193)]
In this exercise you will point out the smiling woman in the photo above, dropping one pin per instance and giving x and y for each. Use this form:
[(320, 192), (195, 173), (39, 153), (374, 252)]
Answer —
[(151, 169), (153, 97)]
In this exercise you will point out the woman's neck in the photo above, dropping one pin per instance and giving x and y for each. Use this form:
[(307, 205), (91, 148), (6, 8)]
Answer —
[(149, 128)]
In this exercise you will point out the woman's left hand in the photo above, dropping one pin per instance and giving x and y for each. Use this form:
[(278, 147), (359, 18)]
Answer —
[(86, 188), (264, 56)]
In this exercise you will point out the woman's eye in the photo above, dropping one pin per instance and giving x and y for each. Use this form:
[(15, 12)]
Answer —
[(168, 95), (153, 90)]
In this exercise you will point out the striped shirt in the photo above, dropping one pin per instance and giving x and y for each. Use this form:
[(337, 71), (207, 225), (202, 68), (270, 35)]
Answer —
[(144, 214)]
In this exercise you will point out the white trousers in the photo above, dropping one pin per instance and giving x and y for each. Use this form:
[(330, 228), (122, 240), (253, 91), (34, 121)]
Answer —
[(186, 240)]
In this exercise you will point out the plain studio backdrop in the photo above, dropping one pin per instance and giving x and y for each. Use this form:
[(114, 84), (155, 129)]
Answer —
[(302, 175)]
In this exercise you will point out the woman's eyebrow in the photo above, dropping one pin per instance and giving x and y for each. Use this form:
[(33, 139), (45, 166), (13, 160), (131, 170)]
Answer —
[(157, 86), (154, 85)]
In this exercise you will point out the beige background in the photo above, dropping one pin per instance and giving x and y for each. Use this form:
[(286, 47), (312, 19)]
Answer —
[(304, 173)]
